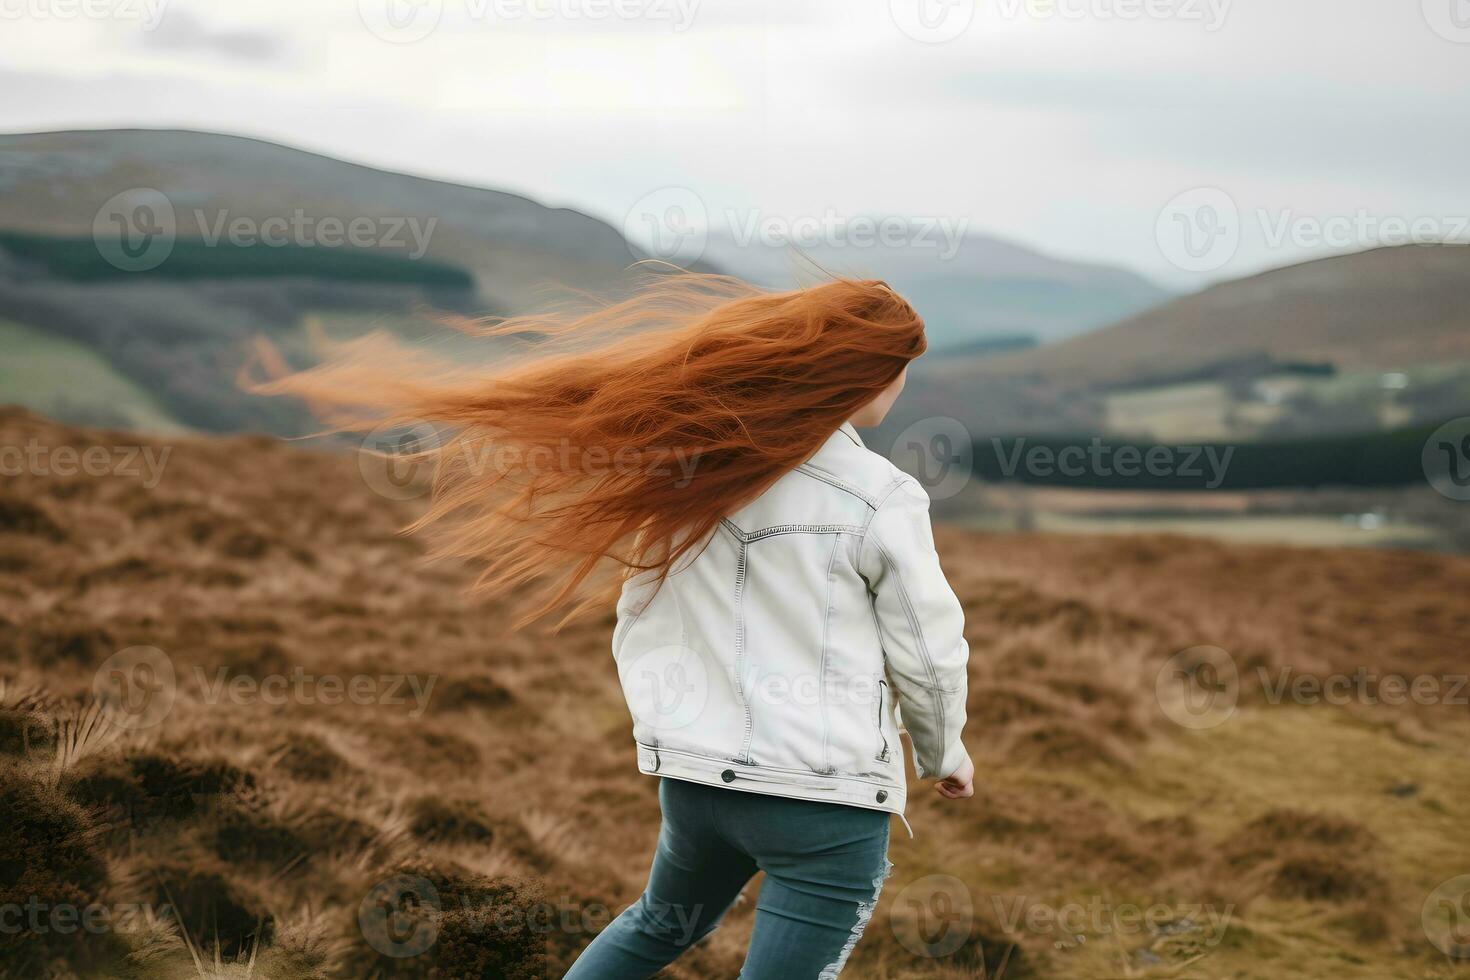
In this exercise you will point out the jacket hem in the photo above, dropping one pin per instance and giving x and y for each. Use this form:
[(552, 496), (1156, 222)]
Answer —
[(848, 790)]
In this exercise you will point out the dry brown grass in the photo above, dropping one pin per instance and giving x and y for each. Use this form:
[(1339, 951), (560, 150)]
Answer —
[(1314, 832)]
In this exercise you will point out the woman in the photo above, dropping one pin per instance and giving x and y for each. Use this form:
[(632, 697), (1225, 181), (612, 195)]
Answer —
[(694, 449)]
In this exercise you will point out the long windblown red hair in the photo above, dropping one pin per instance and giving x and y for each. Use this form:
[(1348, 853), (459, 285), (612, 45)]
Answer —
[(618, 438)]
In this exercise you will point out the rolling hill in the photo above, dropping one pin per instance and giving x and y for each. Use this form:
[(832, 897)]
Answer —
[(56, 184), (166, 338), (1380, 309), (1350, 344)]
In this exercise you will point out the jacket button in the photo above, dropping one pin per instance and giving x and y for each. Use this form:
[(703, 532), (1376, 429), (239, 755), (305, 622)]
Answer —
[(882, 795), (728, 775)]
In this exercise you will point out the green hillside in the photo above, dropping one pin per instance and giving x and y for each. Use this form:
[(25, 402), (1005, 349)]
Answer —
[(66, 380)]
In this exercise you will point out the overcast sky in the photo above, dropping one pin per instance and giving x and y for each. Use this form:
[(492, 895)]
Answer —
[(1187, 139)]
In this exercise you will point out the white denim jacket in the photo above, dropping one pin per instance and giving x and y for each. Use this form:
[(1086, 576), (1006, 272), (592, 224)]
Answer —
[(775, 658)]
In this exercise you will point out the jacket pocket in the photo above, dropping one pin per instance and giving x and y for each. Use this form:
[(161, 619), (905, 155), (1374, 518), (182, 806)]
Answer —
[(882, 751)]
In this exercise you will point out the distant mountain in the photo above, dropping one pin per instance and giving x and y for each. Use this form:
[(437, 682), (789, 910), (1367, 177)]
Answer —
[(971, 291), (1380, 309)]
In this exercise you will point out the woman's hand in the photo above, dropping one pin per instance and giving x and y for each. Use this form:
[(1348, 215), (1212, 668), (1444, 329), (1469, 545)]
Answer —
[(959, 784)]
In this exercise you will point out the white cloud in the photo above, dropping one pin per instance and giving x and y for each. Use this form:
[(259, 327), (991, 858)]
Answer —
[(1066, 133)]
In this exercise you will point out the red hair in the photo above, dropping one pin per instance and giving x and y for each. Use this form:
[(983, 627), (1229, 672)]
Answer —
[(624, 434)]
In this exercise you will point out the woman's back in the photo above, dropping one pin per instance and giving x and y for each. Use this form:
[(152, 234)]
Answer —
[(771, 660)]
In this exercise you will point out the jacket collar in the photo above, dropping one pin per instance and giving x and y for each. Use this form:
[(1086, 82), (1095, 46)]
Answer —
[(851, 433)]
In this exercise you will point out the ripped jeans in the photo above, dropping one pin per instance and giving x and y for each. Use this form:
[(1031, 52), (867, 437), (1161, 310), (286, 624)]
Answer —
[(824, 865)]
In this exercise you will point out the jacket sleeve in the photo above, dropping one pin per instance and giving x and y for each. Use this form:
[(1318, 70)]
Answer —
[(921, 627)]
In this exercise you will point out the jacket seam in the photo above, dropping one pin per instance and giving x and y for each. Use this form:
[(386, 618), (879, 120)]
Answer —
[(619, 638), (822, 670), (817, 473), (740, 572), (766, 532), (863, 538), (906, 601)]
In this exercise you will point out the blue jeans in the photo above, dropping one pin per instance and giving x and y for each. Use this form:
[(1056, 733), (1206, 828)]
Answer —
[(824, 864)]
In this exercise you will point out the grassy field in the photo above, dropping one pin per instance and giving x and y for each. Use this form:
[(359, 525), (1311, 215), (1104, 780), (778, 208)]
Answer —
[(1114, 834), (58, 377)]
